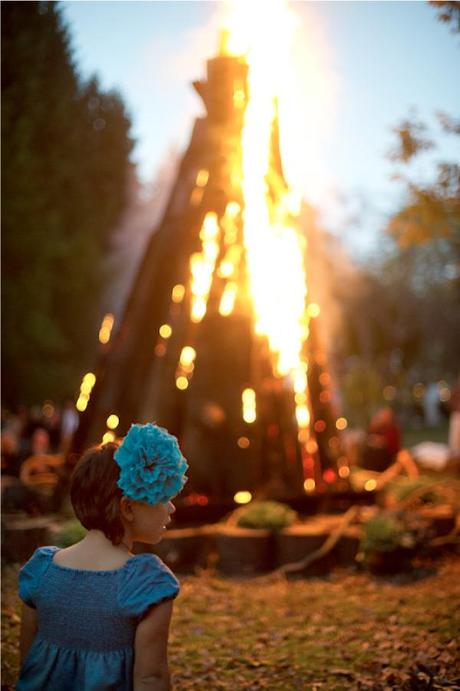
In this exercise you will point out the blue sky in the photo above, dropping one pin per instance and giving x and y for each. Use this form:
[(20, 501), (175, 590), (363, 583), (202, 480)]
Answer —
[(375, 61)]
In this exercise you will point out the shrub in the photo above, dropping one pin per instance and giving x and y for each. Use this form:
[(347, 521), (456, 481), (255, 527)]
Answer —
[(269, 515), (385, 534), (70, 533), (402, 487)]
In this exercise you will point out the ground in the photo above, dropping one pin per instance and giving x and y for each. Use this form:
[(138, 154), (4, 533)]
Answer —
[(349, 631)]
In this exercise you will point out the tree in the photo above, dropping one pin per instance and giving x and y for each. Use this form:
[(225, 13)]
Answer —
[(65, 163), (426, 229), (448, 12), (432, 210)]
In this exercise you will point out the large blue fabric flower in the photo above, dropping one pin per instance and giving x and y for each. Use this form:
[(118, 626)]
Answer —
[(152, 468)]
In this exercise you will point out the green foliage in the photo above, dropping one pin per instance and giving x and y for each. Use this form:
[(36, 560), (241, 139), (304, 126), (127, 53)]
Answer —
[(385, 534), (432, 210), (70, 533), (65, 161), (268, 515), (421, 273), (402, 488)]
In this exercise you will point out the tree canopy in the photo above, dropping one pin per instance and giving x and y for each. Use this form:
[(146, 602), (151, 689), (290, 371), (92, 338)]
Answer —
[(65, 162)]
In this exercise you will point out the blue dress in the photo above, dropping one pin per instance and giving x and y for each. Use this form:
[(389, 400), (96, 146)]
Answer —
[(87, 621)]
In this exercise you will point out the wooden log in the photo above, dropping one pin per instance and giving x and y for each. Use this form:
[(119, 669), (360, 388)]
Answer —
[(298, 541), (398, 560), (347, 547), (21, 536), (442, 518), (323, 557), (244, 551), (184, 550)]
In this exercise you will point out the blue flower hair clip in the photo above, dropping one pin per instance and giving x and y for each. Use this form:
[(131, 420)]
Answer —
[(152, 468)]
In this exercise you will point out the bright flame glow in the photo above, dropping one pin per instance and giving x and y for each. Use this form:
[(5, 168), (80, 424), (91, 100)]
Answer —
[(113, 421), (90, 378), (225, 269), (303, 416), (85, 391), (242, 497), (313, 310), (81, 403), (232, 209), (187, 356), (182, 383), (108, 437), (178, 293), (202, 178), (85, 388), (249, 405), (227, 301), (370, 485), (274, 246), (202, 266), (309, 485), (106, 328), (165, 331)]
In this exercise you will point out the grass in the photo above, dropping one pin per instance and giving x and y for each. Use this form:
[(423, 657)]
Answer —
[(349, 631)]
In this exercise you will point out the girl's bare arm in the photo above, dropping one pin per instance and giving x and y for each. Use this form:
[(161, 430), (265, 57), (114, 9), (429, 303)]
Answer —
[(28, 630), (151, 672)]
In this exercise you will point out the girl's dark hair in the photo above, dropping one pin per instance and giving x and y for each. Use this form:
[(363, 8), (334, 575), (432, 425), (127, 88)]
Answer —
[(94, 492)]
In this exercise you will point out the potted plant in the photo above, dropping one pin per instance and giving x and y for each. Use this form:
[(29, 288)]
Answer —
[(388, 546), (245, 541)]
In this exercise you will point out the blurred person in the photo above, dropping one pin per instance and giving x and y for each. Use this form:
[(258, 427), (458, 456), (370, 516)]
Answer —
[(34, 420), (431, 405), (383, 441), (9, 451), (53, 426), (40, 442)]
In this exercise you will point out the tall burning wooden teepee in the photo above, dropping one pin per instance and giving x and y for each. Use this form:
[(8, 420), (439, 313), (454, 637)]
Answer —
[(191, 351)]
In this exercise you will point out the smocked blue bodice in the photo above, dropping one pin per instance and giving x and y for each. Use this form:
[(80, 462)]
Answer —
[(87, 621)]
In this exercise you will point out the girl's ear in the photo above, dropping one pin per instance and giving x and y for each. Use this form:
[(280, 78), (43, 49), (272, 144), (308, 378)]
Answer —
[(126, 509)]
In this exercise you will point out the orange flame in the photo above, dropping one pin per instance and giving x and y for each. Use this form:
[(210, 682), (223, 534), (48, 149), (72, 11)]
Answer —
[(275, 247)]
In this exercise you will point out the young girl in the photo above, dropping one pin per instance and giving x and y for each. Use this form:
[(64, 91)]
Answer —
[(94, 615)]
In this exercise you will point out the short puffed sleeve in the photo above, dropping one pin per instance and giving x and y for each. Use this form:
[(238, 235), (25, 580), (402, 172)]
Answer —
[(32, 572), (146, 581)]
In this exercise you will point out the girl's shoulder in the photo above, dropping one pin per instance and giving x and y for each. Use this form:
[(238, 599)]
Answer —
[(146, 581), (32, 572)]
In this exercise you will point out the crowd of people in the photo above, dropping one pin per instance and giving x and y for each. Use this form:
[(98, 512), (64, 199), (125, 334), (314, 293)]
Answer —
[(34, 444)]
